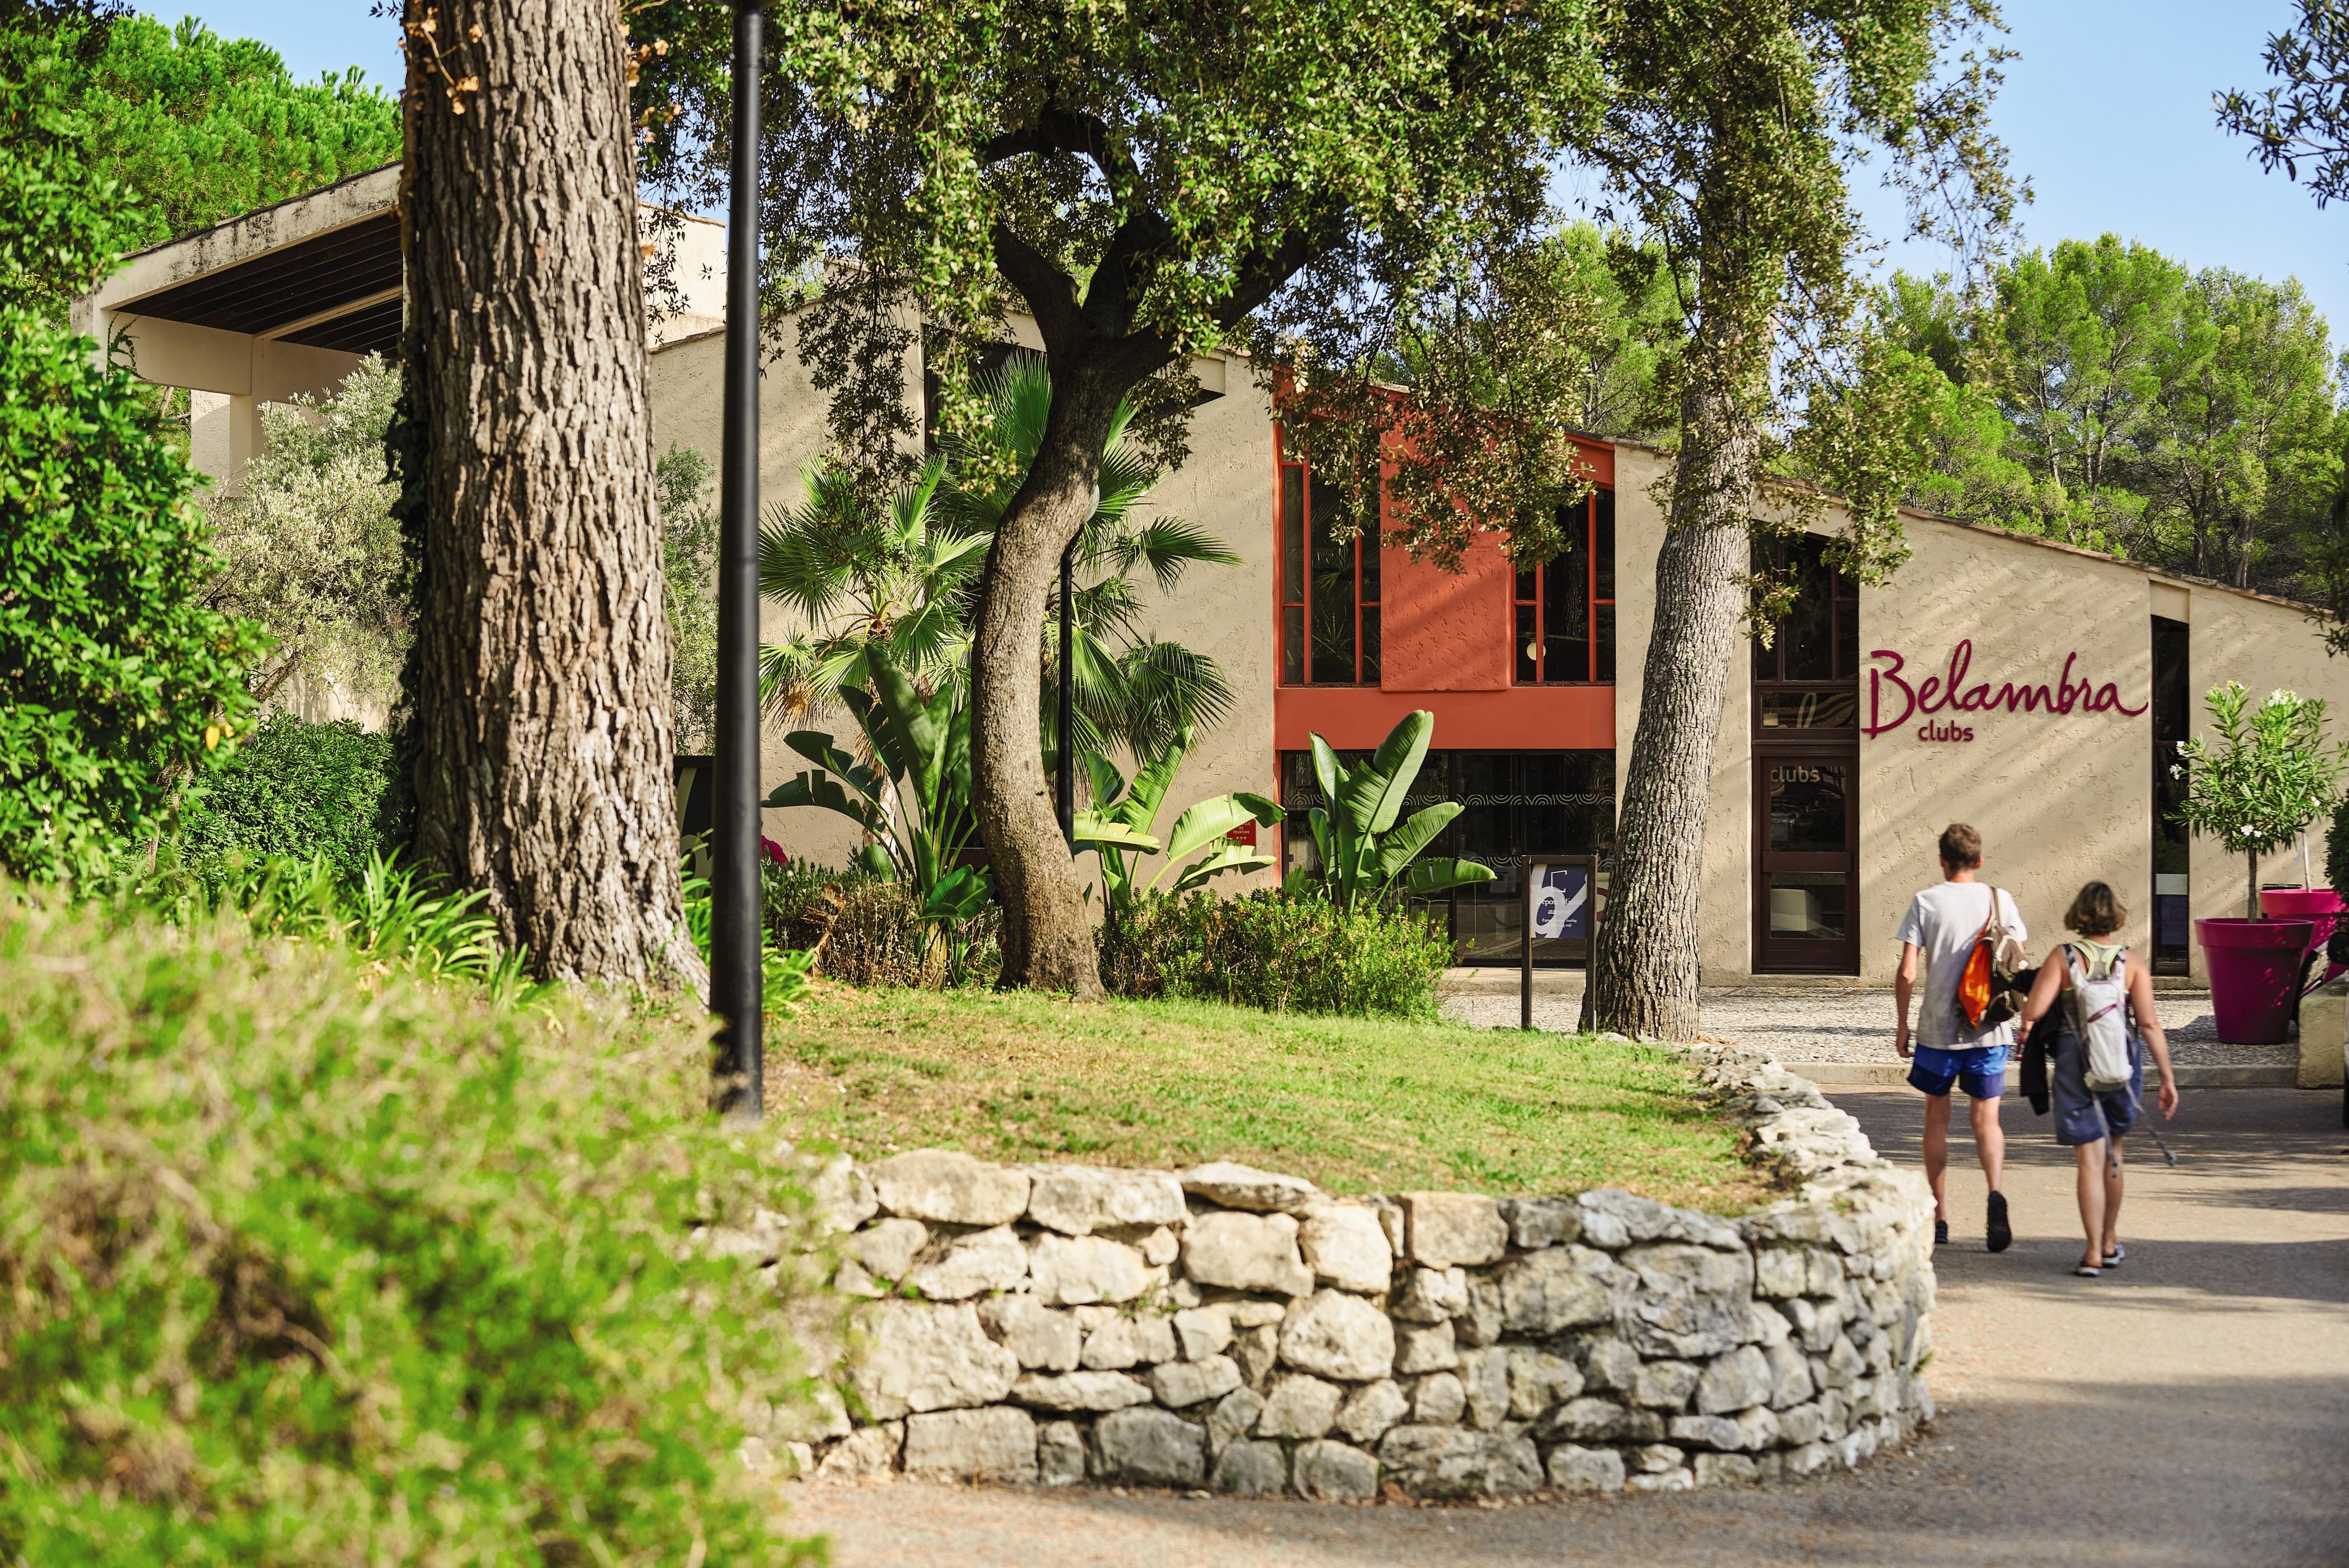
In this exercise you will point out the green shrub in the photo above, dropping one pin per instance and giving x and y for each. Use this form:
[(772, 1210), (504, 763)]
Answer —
[(864, 931), (1281, 953), (301, 790), (306, 1261), (2336, 851), (115, 677)]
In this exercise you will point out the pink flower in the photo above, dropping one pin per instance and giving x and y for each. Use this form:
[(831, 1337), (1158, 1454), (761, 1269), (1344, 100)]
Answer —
[(774, 851)]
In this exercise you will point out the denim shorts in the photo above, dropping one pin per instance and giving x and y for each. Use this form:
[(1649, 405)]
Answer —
[(2084, 1118), (1981, 1068)]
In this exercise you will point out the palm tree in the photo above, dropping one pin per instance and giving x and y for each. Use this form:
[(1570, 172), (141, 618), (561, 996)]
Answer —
[(903, 576)]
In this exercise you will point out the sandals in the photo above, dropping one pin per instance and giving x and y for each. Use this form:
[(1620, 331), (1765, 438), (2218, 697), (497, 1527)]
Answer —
[(2087, 1271), (2112, 1259)]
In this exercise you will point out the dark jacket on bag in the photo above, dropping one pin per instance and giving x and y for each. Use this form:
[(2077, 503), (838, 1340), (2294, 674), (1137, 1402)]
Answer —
[(2038, 1050)]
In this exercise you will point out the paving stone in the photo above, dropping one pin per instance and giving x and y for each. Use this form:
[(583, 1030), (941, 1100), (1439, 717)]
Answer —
[(944, 1185), (1339, 1335), (1150, 1447), (995, 1444), (1246, 1252), (1330, 1471), (1447, 1228)]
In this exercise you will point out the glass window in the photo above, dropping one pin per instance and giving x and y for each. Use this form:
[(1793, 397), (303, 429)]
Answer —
[(1564, 608), (1818, 639), (1329, 584), (1809, 807), (1811, 904)]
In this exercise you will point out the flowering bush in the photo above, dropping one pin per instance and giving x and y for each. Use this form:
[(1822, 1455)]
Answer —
[(2262, 775)]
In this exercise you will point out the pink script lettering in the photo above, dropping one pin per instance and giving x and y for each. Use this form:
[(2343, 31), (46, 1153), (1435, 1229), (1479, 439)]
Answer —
[(1948, 690)]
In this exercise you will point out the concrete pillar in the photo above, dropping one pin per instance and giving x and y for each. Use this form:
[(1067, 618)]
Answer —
[(208, 443), (244, 438)]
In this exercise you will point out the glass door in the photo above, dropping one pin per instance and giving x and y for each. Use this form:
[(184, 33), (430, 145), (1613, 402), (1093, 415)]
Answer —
[(1806, 855)]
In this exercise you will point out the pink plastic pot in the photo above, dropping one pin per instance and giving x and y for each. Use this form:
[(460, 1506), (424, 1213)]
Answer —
[(2320, 904), (2254, 975)]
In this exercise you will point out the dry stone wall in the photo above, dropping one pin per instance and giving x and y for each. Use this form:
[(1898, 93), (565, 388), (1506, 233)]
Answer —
[(1240, 1330)]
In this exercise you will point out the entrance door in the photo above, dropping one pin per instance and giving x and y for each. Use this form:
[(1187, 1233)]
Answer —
[(1807, 854)]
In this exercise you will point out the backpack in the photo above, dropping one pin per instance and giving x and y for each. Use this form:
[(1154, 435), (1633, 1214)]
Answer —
[(2099, 1001), (1989, 990)]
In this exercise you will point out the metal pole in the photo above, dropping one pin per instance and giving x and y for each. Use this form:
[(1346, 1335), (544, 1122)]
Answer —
[(736, 982), (1064, 784), (1526, 953)]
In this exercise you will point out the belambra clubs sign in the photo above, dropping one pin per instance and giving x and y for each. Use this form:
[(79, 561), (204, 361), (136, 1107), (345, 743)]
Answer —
[(1894, 700)]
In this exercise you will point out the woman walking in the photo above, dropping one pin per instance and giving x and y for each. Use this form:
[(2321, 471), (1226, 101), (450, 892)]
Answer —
[(2107, 996)]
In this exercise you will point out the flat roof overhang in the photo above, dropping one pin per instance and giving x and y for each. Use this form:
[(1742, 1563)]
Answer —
[(340, 290)]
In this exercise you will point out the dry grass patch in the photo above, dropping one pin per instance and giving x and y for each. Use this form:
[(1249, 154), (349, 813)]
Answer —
[(1355, 1104)]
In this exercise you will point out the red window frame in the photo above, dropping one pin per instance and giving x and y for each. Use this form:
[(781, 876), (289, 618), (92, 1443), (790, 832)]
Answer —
[(1529, 597), (1293, 571)]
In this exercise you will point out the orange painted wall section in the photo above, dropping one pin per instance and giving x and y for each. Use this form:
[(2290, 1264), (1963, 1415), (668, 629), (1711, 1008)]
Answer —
[(1521, 718), (1446, 631)]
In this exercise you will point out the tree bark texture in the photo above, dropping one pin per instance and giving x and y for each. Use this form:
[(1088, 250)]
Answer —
[(1048, 937), (541, 680), (1644, 982)]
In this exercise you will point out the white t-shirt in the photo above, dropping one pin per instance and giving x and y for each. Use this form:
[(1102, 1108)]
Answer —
[(1944, 919)]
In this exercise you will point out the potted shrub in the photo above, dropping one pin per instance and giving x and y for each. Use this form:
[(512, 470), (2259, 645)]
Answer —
[(2261, 776)]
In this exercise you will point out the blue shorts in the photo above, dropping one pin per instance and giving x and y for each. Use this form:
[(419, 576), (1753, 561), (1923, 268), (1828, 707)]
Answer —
[(2085, 1118), (1981, 1068)]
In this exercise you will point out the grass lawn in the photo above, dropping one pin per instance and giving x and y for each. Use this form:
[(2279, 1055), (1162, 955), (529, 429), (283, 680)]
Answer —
[(1356, 1105)]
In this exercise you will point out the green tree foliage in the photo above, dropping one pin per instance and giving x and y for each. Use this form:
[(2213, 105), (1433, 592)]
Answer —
[(295, 790), (308, 546), (2109, 397), (2304, 118), (310, 1260), (690, 593), (2262, 775), (114, 678)]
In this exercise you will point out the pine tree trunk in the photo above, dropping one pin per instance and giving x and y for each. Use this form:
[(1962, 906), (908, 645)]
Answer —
[(541, 674), (1048, 937), (1644, 978)]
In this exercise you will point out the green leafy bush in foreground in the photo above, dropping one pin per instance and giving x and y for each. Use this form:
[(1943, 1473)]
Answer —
[(306, 1261), (1282, 954), (298, 790)]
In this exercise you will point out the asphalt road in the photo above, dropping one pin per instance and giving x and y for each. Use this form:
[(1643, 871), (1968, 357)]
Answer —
[(2188, 1410)]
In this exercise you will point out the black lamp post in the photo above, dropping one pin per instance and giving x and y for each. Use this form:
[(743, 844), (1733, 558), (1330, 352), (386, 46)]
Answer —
[(1064, 786), (737, 990)]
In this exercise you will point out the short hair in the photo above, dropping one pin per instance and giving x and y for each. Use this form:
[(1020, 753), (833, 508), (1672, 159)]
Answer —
[(2097, 911), (1961, 847)]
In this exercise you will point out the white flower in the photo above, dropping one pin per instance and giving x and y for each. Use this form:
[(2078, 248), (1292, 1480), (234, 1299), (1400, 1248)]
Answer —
[(2181, 749), (2176, 772), (2279, 698)]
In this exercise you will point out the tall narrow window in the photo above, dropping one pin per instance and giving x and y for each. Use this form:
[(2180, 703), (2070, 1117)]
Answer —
[(1328, 583), (1565, 606)]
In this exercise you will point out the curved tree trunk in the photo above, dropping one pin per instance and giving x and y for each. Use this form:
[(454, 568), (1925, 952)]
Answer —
[(1644, 979), (541, 674), (1047, 937)]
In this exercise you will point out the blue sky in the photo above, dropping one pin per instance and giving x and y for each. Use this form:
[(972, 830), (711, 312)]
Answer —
[(2108, 113)]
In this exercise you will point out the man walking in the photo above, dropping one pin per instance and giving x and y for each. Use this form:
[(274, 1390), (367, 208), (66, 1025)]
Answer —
[(1942, 925)]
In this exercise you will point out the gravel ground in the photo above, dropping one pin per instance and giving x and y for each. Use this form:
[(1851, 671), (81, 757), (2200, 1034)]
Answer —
[(1854, 1025), (2188, 1410)]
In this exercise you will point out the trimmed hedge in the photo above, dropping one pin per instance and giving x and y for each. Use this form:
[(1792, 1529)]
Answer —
[(297, 792), (1281, 953), (305, 1260)]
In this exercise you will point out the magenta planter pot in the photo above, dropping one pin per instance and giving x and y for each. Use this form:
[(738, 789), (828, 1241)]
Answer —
[(2254, 975), (2320, 904)]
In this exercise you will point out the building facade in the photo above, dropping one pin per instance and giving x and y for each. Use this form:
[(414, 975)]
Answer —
[(2035, 690)]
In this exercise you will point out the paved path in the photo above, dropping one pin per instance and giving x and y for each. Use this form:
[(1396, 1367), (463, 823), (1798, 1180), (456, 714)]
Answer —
[(2191, 1411)]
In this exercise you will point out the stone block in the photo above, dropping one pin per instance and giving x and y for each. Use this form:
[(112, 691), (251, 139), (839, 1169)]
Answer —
[(1438, 1400), (1234, 1415), (1077, 1200), (1149, 1447), (968, 1265), (1073, 1271), (925, 1356), (1256, 1314), (1426, 1349), (1724, 1470), (1249, 1468), (1391, 1220), (1656, 1459), (1692, 1300), (1538, 1223), (1181, 1384), (1757, 1428), (1609, 1365), (1246, 1252), (1780, 1272), (1431, 1296), (995, 1444), (1371, 1410), (1257, 1350), (1482, 1323), (1160, 1248), (1060, 1453), (1735, 1380), (1538, 1379), (1079, 1390), (1203, 1331), (1330, 1471), (1766, 1326), (864, 1452), (1234, 1186), (1297, 1405), (1790, 1377), (842, 1194), (1641, 1219), (1345, 1246), (1447, 1228), (1451, 1463), (1706, 1432), (1043, 1338), (1143, 1340), (1594, 1420), (1664, 1384), (943, 1185), (1485, 1375), (1556, 1289), (1576, 1469), (887, 1247), (1339, 1335)]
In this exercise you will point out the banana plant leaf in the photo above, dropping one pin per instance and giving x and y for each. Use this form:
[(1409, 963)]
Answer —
[(1230, 858), (1373, 792), (820, 789), (958, 895), (1401, 847), (1102, 829), (1206, 821), (1429, 878), (825, 753)]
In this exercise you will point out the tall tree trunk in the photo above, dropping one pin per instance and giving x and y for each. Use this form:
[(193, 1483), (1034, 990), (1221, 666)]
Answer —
[(542, 668), (1644, 978), (1048, 938)]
